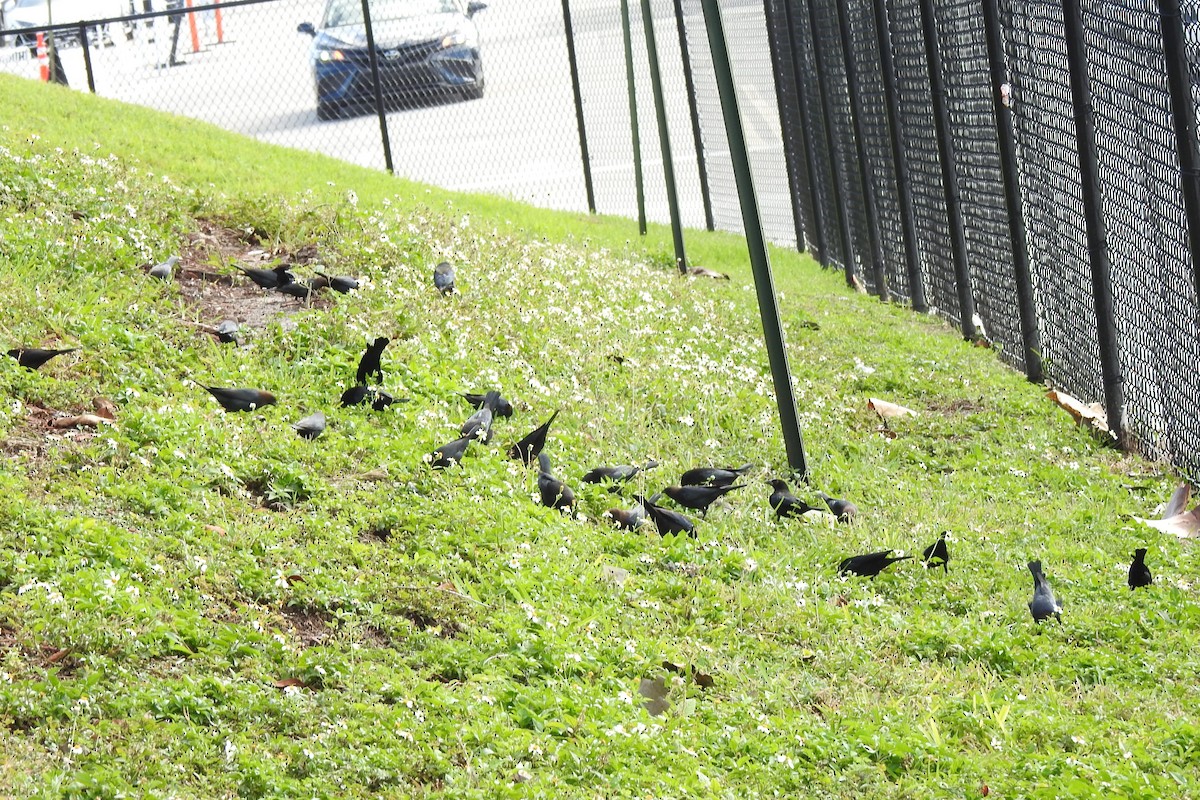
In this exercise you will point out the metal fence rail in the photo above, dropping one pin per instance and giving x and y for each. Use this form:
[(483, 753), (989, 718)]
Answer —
[(1029, 169)]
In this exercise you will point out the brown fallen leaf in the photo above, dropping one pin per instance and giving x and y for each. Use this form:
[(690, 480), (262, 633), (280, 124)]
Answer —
[(294, 579), (702, 679), (58, 655), (886, 432), (1178, 502), (888, 410), (104, 407), (703, 272), (1091, 414), (79, 421), (1184, 526), (284, 683), (839, 601), (217, 529), (655, 692), (448, 586), (373, 475)]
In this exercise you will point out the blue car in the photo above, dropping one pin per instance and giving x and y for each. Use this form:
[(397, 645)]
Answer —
[(427, 50)]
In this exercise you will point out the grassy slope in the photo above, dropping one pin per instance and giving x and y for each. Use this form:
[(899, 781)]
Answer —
[(147, 552)]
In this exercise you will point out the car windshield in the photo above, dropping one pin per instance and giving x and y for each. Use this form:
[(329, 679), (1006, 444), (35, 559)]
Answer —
[(349, 12)]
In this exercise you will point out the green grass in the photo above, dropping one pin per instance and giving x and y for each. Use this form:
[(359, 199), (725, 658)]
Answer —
[(447, 635)]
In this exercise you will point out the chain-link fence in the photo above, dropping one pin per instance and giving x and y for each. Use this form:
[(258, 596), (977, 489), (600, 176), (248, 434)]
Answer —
[(1027, 168)]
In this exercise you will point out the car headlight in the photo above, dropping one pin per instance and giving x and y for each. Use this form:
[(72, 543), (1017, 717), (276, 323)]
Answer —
[(457, 39), (330, 55)]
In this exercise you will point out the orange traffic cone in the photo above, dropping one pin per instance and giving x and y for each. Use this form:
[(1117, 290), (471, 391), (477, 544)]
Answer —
[(43, 57)]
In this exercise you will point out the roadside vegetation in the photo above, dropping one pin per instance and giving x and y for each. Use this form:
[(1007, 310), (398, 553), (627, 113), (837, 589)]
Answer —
[(199, 604)]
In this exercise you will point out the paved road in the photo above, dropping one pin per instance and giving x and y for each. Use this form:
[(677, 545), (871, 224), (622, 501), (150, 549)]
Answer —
[(520, 140)]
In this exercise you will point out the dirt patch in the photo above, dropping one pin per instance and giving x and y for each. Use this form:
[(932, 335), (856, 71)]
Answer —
[(218, 292), (377, 535), (310, 625), (957, 405), (32, 439)]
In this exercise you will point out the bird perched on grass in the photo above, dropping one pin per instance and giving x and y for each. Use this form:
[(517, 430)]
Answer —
[(527, 449), (1139, 573), (241, 399), (666, 520), (227, 331), (479, 424), (267, 278), (340, 284), (381, 399), (164, 270), (310, 427), (449, 454), (699, 497), (869, 564), (503, 409), (713, 476), (368, 365), (1043, 605), (785, 503), (622, 473), (844, 510), (356, 396), (443, 278), (627, 520), (937, 554), (301, 289), (553, 491), (35, 357)]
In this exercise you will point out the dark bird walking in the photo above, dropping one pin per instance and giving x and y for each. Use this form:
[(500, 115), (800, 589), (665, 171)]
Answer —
[(339, 283), (241, 399), (368, 365), (666, 520), (479, 424), (785, 503), (503, 408), (699, 497), (713, 476), (1043, 605), (844, 510), (527, 449), (449, 454), (627, 520), (35, 357), (381, 399), (443, 278), (301, 289), (937, 554), (553, 491), (164, 270), (869, 564), (356, 396), (267, 278), (227, 331), (310, 427), (622, 473), (1139, 573)]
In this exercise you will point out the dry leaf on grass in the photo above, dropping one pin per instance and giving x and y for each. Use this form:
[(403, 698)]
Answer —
[(286, 683), (79, 421), (104, 407), (888, 410), (1178, 502), (1185, 525), (1092, 414)]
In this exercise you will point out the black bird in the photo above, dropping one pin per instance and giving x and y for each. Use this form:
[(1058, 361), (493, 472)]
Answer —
[(443, 278), (1043, 605), (527, 449), (479, 424), (699, 497), (381, 399), (844, 510), (267, 278), (368, 365), (785, 503), (622, 473), (356, 396), (503, 409), (449, 454), (241, 399), (34, 357), (627, 520), (937, 554), (554, 493), (339, 283), (1139, 573), (227, 331), (869, 564), (666, 520), (713, 476), (310, 427), (301, 289)]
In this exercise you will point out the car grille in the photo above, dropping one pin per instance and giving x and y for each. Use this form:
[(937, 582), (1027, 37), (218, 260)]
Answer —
[(409, 53)]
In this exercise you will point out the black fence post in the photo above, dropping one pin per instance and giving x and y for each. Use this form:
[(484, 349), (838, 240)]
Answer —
[(820, 224), (908, 216), (373, 55), (838, 185), (638, 179), (573, 63), (760, 260), (1001, 102), (793, 140), (949, 161), (664, 136), (860, 147), (690, 85), (1179, 81), (1093, 216), (87, 56)]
